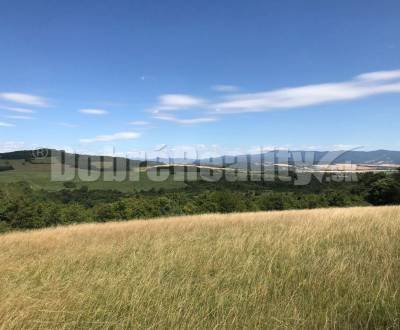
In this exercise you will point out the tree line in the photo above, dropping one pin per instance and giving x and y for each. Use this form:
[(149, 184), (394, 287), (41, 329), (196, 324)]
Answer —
[(21, 207)]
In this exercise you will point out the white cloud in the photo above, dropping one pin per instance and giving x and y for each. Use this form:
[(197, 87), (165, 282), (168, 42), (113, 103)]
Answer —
[(27, 99), (344, 147), (380, 75), (170, 102), (189, 121), (225, 88), (112, 137), (139, 123), (95, 112), (361, 86), (18, 110), (2, 124), (68, 125), (20, 117)]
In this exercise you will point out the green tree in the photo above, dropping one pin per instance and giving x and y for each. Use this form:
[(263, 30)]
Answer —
[(384, 191), (74, 213), (69, 185)]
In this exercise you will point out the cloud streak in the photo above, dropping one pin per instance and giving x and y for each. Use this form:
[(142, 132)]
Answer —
[(20, 117), (139, 123), (26, 99), (67, 125), (364, 85), (2, 124), (112, 137), (189, 121), (172, 102), (94, 112), (361, 86), (17, 110), (177, 102), (225, 88)]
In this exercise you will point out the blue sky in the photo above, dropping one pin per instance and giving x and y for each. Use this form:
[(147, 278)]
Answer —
[(133, 75)]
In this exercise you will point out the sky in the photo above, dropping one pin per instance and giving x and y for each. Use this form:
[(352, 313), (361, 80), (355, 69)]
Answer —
[(127, 76)]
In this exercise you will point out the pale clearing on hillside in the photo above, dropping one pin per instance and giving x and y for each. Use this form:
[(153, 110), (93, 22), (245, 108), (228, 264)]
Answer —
[(332, 268)]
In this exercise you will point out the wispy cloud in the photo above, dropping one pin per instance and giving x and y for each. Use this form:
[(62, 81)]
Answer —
[(19, 117), (189, 121), (225, 88), (380, 75), (112, 137), (27, 99), (139, 123), (2, 124), (170, 102), (67, 125), (95, 112), (361, 86), (18, 110)]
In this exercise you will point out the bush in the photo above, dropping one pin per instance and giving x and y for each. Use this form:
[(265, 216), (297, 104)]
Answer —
[(276, 201), (384, 191), (4, 227), (74, 213), (227, 201), (337, 198), (69, 185)]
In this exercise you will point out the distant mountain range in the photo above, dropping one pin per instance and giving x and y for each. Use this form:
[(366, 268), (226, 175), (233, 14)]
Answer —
[(376, 157)]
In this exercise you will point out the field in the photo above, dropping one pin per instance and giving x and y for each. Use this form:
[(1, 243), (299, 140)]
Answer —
[(331, 268), (39, 177)]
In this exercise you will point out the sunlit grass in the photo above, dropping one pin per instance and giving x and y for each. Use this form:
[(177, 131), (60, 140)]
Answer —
[(332, 268)]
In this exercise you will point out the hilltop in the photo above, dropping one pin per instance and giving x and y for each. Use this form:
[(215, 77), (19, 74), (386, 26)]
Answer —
[(34, 167)]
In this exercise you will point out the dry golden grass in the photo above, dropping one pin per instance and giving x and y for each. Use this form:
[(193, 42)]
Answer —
[(332, 268)]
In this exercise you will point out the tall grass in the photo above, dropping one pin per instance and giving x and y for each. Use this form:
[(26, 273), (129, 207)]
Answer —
[(333, 268)]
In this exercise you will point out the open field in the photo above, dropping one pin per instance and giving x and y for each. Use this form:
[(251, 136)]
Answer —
[(39, 177), (37, 172), (42, 180), (332, 268)]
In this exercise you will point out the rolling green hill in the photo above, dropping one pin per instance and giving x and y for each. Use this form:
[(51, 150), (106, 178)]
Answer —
[(24, 166)]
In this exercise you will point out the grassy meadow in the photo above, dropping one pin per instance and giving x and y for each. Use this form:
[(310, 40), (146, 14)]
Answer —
[(38, 176), (312, 269)]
